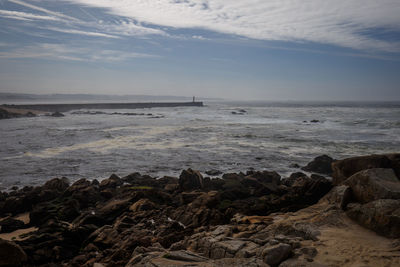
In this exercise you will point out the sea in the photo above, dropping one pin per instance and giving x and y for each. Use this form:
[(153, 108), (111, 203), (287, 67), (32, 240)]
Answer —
[(221, 136)]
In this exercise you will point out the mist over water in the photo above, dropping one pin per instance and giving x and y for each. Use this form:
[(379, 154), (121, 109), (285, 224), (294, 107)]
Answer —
[(229, 137)]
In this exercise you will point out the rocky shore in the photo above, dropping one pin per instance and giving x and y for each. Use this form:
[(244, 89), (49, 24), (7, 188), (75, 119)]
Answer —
[(240, 219)]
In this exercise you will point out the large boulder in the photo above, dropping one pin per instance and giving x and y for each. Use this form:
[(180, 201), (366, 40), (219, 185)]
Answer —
[(381, 216), (343, 169), (374, 184), (11, 254), (339, 196), (320, 164), (190, 180)]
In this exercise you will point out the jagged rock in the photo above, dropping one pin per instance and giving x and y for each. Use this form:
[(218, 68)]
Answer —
[(142, 205), (381, 216), (343, 169), (373, 184), (190, 180), (339, 196), (111, 182), (58, 184), (274, 255), (11, 254), (320, 164), (184, 256)]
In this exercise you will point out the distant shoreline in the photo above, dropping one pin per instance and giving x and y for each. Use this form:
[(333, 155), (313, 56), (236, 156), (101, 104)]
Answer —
[(69, 107)]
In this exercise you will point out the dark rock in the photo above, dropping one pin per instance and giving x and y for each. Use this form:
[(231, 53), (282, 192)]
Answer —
[(373, 184), (381, 216), (190, 180), (9, 225), (11, 254), (56, 184), (314, 121), (343, 169), (213, 172), (57, 114), (321, 164), (111, 182), (142, 205)]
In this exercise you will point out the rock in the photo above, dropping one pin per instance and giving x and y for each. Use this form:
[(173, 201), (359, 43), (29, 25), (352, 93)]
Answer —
[(274, 255), (142, 205), (381, 216), (314, 121), (111, 182), (184, 256), (190, 180), (343, 169), (57, 114), (339, 196), (373, 184), (213, 172), (320, 164), (57, 184), (11, 254), (9, 225)]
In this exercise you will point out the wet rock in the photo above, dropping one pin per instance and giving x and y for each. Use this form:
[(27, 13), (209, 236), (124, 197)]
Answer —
[(343, 169), (57, 114), (320, 164), (373, 184), (190, 180), (381, 216), (11, 254), (274, 255)]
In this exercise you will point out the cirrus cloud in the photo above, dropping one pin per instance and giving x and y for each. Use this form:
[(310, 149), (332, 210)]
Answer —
[(340, 23)]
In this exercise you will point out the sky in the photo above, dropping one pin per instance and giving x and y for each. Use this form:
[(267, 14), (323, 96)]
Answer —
[(241, 50)]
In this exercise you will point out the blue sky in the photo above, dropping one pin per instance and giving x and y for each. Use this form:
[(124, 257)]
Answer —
[(243, 49)]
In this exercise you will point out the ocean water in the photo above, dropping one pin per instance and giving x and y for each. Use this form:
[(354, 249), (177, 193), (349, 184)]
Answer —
[(229, 137)]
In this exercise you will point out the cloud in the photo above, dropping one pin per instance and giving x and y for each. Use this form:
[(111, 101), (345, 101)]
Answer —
[(340, 23), (61, 51), (44, 10), (24, 16), (87, 33)]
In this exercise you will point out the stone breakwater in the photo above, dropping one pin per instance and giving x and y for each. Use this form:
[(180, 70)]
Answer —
[(241, 219), (69, 107)]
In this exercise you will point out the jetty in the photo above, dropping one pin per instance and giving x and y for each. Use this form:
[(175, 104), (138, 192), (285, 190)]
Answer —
[(69, 107)]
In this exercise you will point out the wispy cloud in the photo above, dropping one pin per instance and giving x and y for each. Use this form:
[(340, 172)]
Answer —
[(87, 33), (64, 52), (44, 10), (340, 23), (24, 16)]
